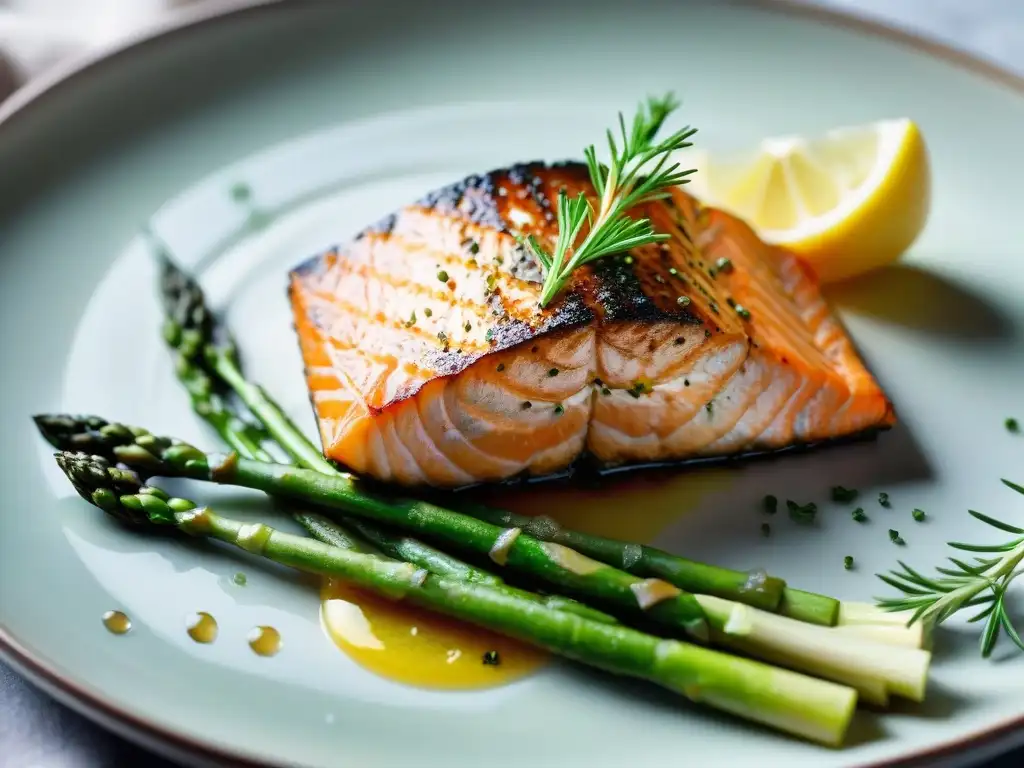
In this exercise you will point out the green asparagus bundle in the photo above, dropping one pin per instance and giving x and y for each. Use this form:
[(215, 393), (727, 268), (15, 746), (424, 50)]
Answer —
[(566, 570), (873, 668), (804, 706)]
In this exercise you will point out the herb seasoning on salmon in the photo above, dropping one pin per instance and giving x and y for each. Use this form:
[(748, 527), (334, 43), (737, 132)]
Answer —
[(442, 402)]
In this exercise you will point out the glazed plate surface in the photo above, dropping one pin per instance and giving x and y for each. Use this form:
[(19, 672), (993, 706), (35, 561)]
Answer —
[(251, 142)]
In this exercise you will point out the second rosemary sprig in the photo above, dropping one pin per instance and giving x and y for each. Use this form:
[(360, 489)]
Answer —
[(982, 583)]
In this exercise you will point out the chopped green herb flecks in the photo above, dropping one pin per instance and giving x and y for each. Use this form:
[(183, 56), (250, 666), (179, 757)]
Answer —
[(605, 391), (442, 276), (742, 311), (501, 367), (241, 192), (859, 516), (883, 499), (848, 562), (766, 530), (843, 495), (770, 504), (686, 382), (428, 312), (492, 658), (802, 513), (468, 326), (489, 336), (683, 301), (918, 515), (641, 387), (628, 260), (559, 409), (895, 538), (412, 320), (724, 265), (679, 341), (527, 405), (1013, 426), (472, 246), (553, 372)]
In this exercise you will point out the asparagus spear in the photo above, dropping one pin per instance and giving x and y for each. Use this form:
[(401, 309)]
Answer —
[(766, 592), (804, 706), (560, 566), (331, 532), (188, 328)]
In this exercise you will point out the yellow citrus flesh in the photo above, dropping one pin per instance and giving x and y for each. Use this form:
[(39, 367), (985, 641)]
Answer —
[(848, 201)]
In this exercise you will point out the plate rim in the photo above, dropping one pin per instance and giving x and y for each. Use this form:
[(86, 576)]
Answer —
[(44, 674)]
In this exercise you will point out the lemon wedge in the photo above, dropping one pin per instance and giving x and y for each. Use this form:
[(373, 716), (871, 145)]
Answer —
[(848, 201)]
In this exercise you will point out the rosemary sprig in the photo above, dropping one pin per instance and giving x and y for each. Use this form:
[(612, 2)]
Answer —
[(628, 180), (984, 583)]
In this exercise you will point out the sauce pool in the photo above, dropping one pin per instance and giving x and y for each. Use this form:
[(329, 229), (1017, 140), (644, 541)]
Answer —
[(411, 645)]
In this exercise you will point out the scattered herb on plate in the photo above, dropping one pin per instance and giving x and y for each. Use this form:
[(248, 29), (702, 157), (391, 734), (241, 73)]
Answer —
[(844, 495), (982, 583), (802, 513)]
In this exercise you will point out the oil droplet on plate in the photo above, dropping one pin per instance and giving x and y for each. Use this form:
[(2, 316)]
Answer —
[(411, 645), (202, 627), (116, 622), (265, 641)]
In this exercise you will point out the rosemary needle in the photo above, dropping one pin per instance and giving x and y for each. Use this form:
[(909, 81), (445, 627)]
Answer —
[(638, 173)]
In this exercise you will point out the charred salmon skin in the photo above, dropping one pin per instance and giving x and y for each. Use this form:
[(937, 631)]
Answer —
[(430, 362)]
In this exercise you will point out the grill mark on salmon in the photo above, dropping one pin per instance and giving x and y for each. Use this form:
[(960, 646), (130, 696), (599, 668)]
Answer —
[(429, 362)]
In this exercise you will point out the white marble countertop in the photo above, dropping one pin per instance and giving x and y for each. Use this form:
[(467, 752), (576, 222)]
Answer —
[(36, 732)]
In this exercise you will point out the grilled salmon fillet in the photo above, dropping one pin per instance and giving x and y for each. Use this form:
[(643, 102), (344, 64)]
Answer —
[(429, 361)]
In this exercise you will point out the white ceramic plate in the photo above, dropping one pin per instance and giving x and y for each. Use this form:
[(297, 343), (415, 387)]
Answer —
[(330, 115)]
